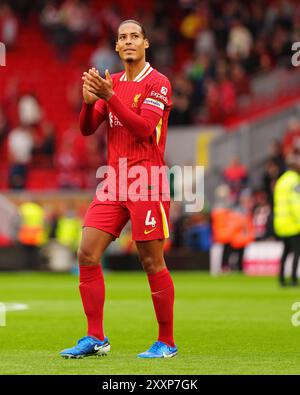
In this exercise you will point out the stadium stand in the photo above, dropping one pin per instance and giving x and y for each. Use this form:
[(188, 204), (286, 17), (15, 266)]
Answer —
[(230, 65)]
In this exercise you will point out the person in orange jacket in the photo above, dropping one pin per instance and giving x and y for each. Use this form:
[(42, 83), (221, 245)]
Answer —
[(221, 222), (242, 227)]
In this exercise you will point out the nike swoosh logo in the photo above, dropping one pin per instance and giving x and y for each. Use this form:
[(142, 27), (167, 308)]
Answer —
[(169, 355), (97, 348), (146, 232)]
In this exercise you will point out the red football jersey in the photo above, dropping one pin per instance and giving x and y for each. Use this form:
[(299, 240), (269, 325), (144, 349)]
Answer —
[(150, 90)]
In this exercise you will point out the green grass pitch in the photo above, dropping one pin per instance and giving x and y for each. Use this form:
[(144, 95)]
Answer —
[(223, 325)]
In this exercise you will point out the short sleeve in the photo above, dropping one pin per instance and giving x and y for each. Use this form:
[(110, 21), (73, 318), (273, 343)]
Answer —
[(158, 97)]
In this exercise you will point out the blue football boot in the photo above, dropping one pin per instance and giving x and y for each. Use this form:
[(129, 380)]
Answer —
[(87, 346), (159, 350)]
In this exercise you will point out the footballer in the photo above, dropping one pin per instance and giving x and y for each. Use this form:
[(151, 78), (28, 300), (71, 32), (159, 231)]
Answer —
[(136, 104)]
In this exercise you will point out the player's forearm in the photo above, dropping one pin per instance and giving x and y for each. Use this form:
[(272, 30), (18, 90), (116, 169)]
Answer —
[(89, 119), (141, 126)]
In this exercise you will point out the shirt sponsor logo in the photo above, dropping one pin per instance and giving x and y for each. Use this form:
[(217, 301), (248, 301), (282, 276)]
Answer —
[(113, 120), (154, 103), (159, 96), (164, 90)]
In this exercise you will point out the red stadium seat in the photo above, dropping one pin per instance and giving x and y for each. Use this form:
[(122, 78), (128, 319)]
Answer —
[(40, 179)]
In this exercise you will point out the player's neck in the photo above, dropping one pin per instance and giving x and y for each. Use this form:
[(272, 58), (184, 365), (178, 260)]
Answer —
[(133, 69)]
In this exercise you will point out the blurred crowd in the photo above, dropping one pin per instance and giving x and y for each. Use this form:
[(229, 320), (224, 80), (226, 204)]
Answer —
[(240, 213), (210, 49), (32, 143), (48, 232)]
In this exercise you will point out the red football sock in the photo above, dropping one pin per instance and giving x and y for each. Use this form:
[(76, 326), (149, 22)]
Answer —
[(162, 290), (92, 291)]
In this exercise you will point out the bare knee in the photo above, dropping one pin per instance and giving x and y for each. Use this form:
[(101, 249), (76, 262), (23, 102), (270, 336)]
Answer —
[(152, 265), (87, 258)]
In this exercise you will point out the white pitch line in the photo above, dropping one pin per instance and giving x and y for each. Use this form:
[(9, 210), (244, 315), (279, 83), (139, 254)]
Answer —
[(15, 306)]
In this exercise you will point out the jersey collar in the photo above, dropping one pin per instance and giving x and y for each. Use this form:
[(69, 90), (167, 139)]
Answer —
[(146, 71)]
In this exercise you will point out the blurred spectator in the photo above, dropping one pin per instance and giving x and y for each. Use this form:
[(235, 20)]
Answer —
[(65, 24), (47, 147), (260, 58), (195, 21), (212, 102), (236, 175), (49, 15), (227, 99), (221, 223), (287, 216), (198, 232), (281, 46), (60, 36), (240, 80), (241, 232), (4, 126), (44, 145), (20, 146), (262, 216), (211, 48), (205, 43), (10, 220), (181, 113), (8, 26), (69, 162), (161, 50), (23, 8), (30, 112), (221, 101), (198, 72), (239, 41), (270, 176), (32, 232), (296, 25), (256, 22), (291, 137), (104, 57), (68, 227), (9, 99), (276, 155), (110, 18), (177, 219), (74, 15)]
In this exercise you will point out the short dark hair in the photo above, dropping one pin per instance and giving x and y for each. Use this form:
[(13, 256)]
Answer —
[(137, 23)]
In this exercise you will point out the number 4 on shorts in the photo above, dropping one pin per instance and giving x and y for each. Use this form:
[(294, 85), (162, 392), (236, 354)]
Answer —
[(150, 221)]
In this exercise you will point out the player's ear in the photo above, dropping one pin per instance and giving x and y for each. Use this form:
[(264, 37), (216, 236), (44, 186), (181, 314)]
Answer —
[(146, 41), (117, 47)]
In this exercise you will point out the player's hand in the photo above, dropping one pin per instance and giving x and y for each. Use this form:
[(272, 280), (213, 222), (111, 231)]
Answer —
[(98, 86), (88, 97)]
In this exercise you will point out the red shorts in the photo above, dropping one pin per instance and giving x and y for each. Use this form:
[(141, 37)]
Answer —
[(149, 219)]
